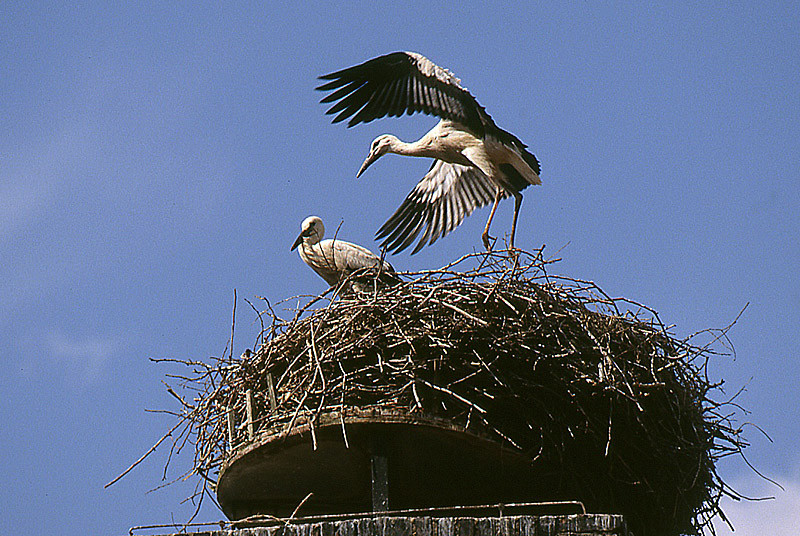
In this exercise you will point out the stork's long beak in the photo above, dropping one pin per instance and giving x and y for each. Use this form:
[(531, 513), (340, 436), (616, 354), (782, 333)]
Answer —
[(373, 155), (297, 242)]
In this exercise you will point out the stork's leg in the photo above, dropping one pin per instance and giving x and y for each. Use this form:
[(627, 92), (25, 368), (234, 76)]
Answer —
[(485, 234), (517, 204)]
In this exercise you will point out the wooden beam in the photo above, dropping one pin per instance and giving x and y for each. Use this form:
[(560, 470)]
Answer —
[(273, 403), (251, 433)]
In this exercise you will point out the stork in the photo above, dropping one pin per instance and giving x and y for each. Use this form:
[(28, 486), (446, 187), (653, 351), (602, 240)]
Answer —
[(335, 260), (475, 161)]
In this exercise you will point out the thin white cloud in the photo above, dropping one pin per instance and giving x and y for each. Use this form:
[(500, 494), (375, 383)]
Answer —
[(33, 176), (82, 359), (34, 180), (776, 517), (19, 204)]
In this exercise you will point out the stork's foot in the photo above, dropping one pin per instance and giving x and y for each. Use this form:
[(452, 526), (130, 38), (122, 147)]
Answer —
[(488, 241)]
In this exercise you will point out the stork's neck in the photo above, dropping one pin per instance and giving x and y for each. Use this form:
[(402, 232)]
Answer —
[(421, 147), (398, 146)]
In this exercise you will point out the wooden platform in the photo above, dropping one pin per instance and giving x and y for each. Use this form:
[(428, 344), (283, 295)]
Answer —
[(523, 525), (422, 462)]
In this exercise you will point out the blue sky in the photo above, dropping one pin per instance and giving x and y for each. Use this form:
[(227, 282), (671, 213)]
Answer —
[(153, 158)]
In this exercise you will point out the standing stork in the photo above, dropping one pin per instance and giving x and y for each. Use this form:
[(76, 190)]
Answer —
[(475, 161), (336, 260)]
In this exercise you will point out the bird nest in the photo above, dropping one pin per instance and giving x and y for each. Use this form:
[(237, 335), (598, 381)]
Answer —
[(594, 390)]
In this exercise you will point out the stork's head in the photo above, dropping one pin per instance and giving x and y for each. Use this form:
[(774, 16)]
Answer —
[(380, 146), (311, 232)]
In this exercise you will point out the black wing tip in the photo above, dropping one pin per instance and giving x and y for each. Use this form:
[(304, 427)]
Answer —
[(358, 67), (399, 248), (532, 161), (384, 231), (353, 122), (418, 247), (398, 239), (401, 234)]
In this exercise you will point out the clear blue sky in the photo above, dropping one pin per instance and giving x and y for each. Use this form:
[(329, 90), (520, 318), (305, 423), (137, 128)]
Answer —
[(154, 158)]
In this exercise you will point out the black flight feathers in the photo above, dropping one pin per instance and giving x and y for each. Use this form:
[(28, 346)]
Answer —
[(406, 82), (399, 83)]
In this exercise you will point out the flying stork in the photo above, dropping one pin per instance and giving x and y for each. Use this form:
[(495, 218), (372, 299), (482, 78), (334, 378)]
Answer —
[(475, 161), (335, 260)]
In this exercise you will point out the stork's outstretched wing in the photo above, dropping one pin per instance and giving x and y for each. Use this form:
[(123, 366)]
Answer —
[(397, 83), (446, 195), (406, 82)]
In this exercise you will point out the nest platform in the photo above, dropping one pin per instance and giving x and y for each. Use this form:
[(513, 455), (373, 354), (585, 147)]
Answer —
[(427, 462), (489, 380)]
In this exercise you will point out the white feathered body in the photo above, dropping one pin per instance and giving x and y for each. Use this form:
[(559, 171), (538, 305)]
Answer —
[(334, 260), (454, 143)]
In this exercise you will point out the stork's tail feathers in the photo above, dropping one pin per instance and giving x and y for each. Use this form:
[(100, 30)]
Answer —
[(516, 180), (370, 279), (533, 163)]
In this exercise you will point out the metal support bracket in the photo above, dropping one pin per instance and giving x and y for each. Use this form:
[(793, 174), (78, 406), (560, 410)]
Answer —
[(379, 465)]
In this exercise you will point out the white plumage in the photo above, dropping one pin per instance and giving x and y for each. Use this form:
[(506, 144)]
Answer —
[(475, 161), (335, 260)]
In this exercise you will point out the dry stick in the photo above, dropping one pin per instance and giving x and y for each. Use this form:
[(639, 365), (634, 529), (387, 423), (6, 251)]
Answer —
[(315, 357), (723, 332), (233, 324), (174, 480), (454, 395), (203, 493), (185, 433), (461, 311), (288, 429), (220, 524), (305, 308), (310, 420), (145, 455), (178, 397), (260, 319), (294, 513), (266, 517), (489, 370), (341, 411)]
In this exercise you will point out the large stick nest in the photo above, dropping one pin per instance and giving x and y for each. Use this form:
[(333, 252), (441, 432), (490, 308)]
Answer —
[(595, 390)]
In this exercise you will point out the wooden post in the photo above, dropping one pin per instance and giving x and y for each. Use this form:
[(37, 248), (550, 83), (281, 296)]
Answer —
[(231, 428), (251, 433), (273, 403)]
